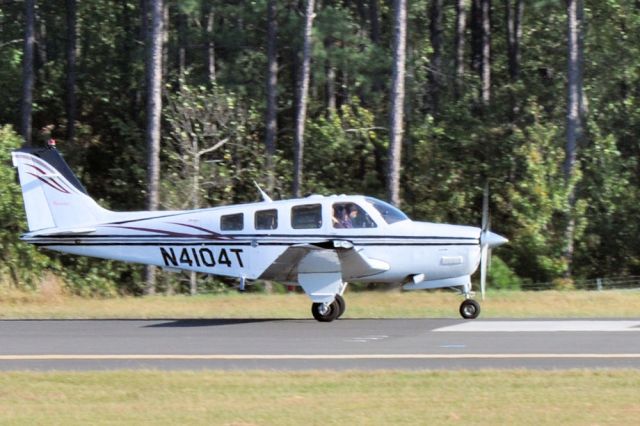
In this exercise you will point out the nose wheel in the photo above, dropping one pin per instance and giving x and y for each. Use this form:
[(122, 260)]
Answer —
[(469, 309)]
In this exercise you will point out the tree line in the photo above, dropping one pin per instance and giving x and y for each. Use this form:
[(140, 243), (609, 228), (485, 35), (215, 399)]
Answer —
[(182, 104)]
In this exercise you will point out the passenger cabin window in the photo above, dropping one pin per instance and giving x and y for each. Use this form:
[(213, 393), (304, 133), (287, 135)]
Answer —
[(266, 219), (350, 215), (306, 217), (232, 222)]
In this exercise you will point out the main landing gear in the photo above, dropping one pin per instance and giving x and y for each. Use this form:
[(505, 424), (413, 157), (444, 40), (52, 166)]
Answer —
[(327, 312), (469, 309)]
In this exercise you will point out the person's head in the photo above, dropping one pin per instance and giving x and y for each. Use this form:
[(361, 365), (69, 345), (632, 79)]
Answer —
[(353, 211)]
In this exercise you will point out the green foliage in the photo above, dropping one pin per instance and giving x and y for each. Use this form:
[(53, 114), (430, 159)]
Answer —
[(345, 154), (537, 201), (99, 278), (20, 263), (501, 277)]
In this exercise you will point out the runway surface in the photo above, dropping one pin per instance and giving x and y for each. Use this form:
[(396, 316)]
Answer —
[(307, 344)]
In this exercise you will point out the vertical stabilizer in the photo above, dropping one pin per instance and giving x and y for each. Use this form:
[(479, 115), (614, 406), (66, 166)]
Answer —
[(53, 195)]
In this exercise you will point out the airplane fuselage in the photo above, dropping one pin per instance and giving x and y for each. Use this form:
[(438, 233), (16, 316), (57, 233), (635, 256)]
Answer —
[(198, 241)]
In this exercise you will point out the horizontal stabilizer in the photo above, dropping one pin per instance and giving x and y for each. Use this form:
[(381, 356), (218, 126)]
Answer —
[(58, 231)]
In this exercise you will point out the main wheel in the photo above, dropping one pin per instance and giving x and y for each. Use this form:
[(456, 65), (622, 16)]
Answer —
[(342, 305), (469, 309), (325, 313)]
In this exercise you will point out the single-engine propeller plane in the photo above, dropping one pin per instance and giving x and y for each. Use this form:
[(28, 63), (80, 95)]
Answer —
[(320, 243)]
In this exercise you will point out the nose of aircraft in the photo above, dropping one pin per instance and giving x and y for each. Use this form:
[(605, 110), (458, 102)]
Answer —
[(492, 239)]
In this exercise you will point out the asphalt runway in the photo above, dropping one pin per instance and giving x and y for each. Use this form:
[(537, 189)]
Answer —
[(306, 344)]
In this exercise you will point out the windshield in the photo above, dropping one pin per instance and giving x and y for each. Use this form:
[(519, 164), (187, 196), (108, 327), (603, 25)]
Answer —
[(388, 212)]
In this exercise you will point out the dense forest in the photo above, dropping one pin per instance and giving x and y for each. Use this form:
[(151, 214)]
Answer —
[(183, 104)]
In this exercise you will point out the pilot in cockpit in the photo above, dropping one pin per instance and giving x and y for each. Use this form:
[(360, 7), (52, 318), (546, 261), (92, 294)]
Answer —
[(341, 216)]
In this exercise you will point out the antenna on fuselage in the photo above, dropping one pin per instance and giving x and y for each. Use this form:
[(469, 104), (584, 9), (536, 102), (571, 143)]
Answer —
[(264, 195)]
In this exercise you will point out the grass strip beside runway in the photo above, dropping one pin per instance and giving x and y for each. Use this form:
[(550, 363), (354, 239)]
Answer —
[(371, 304), (260, 397)]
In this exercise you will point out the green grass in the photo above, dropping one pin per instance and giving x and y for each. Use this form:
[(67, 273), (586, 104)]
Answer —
[(371, 304), (270, 398)]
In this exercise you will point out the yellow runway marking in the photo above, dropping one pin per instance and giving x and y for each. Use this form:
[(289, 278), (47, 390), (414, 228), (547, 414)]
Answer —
[(217, 357)]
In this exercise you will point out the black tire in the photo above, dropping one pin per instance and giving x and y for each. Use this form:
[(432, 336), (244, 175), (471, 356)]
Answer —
[(330, 315), (342, 305), (469, 309)]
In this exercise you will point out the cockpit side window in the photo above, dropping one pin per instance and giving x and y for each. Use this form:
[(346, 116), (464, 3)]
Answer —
[(388, 212), (232, 222), (308, 216), (266, 219), (350, 215)]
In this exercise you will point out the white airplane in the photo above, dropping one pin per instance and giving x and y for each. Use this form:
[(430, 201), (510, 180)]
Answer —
[(320, 243)]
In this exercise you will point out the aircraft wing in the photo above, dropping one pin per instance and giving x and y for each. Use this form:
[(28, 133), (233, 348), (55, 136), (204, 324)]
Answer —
[(328, 256)]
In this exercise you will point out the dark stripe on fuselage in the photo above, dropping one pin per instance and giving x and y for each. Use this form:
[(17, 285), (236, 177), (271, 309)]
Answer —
[(173, 243), (271, 236)]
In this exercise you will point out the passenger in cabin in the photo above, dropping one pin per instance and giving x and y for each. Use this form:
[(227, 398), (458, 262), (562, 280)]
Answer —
[(354, 218)]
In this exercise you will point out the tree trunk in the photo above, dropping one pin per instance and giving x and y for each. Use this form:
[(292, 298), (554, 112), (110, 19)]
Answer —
[(582, 29), (397, 100), (164, 37), (330, 69), (514, 35), (182, 46), (476, 36), (272, 92), (154, 108), (374, 17), (435, 64), (574, 94), (486, 51), (461, 25), (27, 71), (301, 107), (209, 46), (41, 43), (71, 70), (144, 40), (575, 104)]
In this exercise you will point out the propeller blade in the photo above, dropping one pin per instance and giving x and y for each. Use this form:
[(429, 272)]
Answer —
[(483, 268), (485, 207)]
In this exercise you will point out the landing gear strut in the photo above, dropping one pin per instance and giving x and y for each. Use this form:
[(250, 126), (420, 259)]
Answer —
[(469, 309)]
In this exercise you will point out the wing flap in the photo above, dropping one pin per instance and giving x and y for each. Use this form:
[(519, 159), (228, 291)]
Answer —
[(356, 264), (349, 262)]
